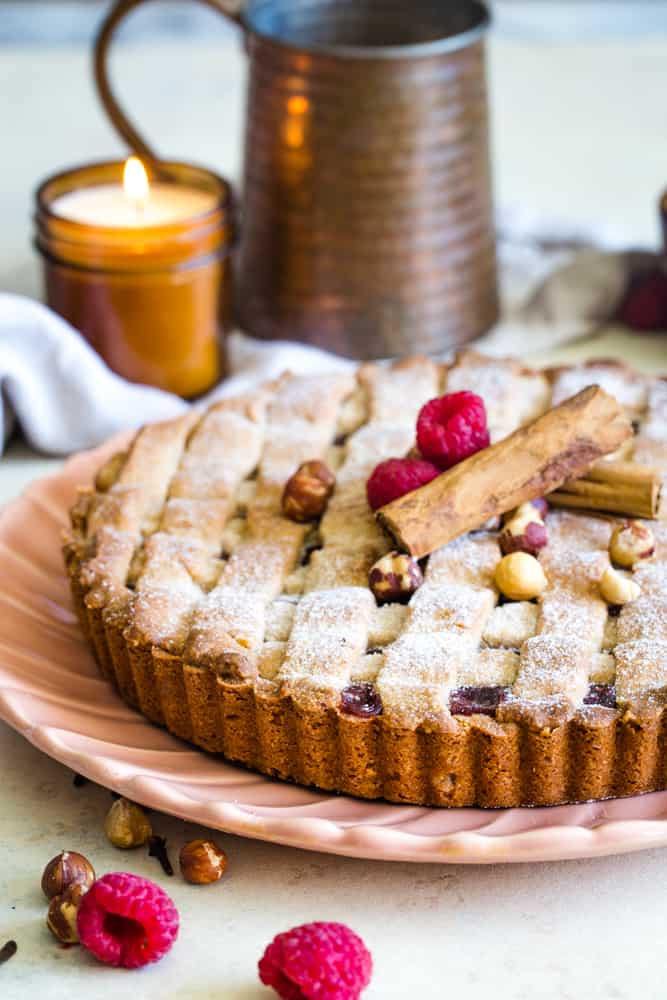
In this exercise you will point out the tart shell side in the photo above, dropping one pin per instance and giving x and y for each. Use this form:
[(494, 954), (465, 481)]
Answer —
[(596, 753)]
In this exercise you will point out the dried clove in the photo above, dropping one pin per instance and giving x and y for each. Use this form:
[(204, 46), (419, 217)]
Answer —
[(7, 951), (157, 848)]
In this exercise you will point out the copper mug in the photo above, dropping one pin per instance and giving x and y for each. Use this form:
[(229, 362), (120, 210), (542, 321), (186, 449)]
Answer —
[(367, 217)]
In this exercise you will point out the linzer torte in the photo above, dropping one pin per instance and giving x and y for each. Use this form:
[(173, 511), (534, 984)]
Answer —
[(236, 586)]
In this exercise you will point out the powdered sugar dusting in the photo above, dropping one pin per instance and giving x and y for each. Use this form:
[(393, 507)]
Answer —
[(213, 559)]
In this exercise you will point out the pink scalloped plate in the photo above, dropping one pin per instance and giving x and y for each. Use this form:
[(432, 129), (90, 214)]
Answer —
[(51, 693)]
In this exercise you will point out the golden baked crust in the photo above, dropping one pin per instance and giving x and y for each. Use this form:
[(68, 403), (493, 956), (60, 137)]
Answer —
[(238, 629)]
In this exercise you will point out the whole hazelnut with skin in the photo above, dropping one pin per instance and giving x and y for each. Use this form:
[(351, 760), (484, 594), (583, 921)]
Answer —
[(523, 534), (307, 492), (630, 543), (617, 589), (520, 577), (202, 862), (62, 914), (65, 870), (395, 577), (127, 825)]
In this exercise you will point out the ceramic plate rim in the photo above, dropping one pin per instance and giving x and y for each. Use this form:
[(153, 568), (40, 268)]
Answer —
[(539, 834)]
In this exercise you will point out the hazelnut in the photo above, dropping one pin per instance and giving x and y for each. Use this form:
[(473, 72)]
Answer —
[(65, 870), (618, 589), (202, 862), (531, 510), (395, 577), (524, 533), (540, 505), (520, 577), (62, 914), (127, 825), (631, 542), (307, 492)]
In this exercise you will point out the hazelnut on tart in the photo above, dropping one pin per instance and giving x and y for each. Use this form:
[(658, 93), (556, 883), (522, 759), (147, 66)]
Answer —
[(237, 587)]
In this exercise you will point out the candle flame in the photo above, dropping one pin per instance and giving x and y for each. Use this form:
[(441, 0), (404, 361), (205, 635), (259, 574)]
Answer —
[(135, 179)]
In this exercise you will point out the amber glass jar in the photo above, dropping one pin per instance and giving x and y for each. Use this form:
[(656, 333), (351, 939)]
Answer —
[(154, 301)]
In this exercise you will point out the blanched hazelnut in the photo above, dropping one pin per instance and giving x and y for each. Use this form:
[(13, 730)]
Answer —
[(520, 577), (127, 825), (541, 506), (202, 862), (524, 533), (307, 492), (630, 543), (65, 870), (395, 577), (618, 589), (530, 509), (62, 913)]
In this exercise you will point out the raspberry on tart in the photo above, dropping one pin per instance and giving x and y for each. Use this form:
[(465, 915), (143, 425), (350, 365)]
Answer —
[(452, 427), (395, 477)]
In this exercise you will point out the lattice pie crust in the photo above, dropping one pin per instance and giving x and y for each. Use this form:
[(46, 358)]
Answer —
[(238, 630)]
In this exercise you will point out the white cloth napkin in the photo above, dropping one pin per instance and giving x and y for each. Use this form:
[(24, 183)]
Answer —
[(65, 398)]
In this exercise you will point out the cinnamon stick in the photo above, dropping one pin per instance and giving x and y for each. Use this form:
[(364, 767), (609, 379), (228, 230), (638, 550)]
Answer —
[(616, 487), (559, 446)]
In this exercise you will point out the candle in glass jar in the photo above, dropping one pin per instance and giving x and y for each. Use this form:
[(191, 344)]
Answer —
[(142, 270), (135, 203)]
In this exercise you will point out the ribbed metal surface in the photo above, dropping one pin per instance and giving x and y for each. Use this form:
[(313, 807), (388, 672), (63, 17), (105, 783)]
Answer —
[(368, 225)]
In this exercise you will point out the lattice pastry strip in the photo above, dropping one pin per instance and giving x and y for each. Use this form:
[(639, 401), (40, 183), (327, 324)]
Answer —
[(222, 451), (641, 665), (631, 390), (509, 625), (329, 635), (227, 632), (645, 617), (564, 612), (301, 421), (419, 672), (116, 519), (571, 609), (210, 470), (491, 668), (578, 572), (443, 629), (397, 392), (451, 607), (512, 396), (554, 666), (175, 575), (471, 559), (348, 518), (574, 533)]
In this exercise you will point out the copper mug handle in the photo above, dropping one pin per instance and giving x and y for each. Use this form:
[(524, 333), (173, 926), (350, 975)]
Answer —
[(120, 121)]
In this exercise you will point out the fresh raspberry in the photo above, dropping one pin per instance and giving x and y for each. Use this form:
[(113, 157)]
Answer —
[(320, 961), (127, 920), (451, 428), (645, 304), (392, 479)]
